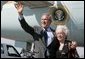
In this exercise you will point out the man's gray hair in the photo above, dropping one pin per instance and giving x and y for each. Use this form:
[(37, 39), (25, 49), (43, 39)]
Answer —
[(64, 28), (49, 15)]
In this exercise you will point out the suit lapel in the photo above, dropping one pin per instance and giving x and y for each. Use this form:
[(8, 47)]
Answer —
[(43, 38), (65, 48)]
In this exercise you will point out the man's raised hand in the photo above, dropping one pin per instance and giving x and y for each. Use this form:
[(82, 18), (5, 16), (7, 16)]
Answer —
[(19, 7)]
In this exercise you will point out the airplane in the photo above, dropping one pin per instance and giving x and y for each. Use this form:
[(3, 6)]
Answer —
[(73, 13)]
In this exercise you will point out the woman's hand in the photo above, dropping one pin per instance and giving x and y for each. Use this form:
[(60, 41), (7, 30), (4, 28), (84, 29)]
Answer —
[(73, 45)]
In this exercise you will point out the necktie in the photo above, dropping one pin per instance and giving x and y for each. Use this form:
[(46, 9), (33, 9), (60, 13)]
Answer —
[(45, 36)]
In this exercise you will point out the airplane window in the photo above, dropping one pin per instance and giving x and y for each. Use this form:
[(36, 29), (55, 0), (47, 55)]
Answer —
[(2, 49), (12, 51)]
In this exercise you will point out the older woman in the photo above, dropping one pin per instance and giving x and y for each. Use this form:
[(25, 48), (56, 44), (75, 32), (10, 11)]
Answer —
[(67, 48)]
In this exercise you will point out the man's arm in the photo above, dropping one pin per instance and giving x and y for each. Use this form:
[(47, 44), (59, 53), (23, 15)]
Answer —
[(25, 26), (21, 19)]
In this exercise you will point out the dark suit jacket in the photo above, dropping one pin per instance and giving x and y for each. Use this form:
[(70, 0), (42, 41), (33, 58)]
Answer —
[(40, 45)]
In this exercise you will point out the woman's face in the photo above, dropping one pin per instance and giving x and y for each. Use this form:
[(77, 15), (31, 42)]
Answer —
[(60, 35)]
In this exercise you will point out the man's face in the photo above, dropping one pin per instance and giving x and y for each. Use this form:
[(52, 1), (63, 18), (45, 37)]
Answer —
[(45, 21)]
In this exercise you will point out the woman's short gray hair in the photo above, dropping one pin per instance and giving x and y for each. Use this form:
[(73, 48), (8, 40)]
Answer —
[(64, 28)]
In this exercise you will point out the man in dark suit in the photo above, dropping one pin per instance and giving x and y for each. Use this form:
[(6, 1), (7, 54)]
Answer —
[(45, 43)]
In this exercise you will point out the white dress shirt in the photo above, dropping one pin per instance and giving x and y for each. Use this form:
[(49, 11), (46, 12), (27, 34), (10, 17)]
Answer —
[(50, 36), (61, 46)]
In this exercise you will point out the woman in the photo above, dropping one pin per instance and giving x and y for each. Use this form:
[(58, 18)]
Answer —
[(67, 48)]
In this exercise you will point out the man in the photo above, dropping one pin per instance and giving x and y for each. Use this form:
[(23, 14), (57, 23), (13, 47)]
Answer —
[(45, 43)]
